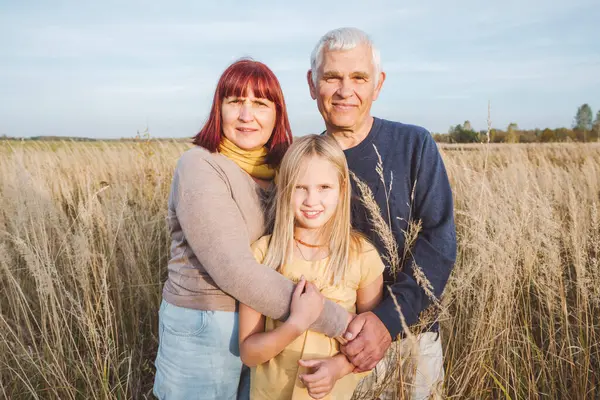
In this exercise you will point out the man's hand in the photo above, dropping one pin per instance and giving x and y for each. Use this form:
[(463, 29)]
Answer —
[(368, 340), (341, 339)]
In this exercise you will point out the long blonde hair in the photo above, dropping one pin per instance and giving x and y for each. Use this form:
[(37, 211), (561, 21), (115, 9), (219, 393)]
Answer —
[(343, 241)]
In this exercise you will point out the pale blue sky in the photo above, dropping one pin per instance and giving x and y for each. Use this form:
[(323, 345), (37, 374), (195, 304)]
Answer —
[(104, 69)]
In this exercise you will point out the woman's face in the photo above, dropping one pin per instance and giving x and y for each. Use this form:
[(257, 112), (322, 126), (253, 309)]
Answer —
[(248, 121)]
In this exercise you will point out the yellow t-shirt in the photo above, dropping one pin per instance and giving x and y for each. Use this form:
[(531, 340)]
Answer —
[(278, 379)]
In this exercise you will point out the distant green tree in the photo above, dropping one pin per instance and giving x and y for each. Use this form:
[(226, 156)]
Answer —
[(512, 133), (548, 135), (583, 118), (459, 134), (595, 135)]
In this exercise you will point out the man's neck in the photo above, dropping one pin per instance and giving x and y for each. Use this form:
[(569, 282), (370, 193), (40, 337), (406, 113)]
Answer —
[(348, 138)]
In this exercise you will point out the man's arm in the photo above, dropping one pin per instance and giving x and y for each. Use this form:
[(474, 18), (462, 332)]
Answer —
[(215, 229), (434, 252)]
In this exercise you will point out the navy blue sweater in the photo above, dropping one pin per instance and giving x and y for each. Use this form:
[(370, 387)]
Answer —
[(410, 154)]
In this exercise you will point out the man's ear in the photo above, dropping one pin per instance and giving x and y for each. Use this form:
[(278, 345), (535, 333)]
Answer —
[(311, 85), (379, 85)]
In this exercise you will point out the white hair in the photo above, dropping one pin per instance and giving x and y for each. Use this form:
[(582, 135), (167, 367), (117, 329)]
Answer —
[(343, 39)]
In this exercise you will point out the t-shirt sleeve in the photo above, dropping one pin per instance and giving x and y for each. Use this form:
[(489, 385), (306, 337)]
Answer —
[(259, 248), (371, 265)]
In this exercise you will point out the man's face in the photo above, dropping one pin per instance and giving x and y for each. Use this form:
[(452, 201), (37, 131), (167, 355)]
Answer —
[(346, 87)]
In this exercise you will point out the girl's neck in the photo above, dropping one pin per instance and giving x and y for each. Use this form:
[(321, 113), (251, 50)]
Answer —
[(310, 244), (313, 237)]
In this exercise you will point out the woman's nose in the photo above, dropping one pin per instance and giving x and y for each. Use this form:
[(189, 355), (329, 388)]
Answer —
[(246, 114)]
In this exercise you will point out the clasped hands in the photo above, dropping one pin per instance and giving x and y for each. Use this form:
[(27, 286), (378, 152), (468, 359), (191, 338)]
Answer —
[(363, 344)]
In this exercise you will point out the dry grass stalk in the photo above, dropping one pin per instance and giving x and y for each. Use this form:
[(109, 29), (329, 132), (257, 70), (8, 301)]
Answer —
[(81, 270)]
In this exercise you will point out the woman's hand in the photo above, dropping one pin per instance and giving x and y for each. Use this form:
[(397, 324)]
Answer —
[(324, 373), (307, 304)]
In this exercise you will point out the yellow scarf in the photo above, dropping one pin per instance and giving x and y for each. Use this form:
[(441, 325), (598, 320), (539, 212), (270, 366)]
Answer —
[(251, 161)]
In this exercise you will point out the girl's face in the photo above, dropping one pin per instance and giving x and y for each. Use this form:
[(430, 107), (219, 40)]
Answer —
[(316, 194)]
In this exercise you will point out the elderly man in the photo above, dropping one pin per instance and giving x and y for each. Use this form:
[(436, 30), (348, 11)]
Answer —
[(345, 78)]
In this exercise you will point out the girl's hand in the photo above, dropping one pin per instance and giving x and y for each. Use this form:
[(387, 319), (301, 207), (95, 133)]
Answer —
[(323, 376), (307, 304)]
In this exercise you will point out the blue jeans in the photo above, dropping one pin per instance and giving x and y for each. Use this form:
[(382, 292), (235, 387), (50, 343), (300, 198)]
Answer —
[(198, 355)]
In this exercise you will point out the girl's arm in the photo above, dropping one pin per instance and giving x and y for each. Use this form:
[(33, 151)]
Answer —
[(325, 372), (258, 346), (368, 297)]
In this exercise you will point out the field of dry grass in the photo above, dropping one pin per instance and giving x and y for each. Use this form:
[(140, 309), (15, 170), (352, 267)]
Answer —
[(83, 251)]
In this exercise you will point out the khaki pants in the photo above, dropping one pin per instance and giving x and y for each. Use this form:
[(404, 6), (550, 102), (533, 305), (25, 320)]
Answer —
[(408, 371)]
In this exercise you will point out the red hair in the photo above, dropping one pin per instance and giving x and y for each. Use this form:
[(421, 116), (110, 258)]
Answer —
[(235, 81)]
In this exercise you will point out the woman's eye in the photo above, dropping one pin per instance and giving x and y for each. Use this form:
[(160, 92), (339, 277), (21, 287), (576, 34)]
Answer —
[(324, 187)]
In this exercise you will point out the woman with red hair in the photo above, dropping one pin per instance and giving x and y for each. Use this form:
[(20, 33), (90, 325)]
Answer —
[(216, 210)]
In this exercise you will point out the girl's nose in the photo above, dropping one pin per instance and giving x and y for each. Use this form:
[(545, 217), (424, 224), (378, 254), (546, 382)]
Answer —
[(312, 198)]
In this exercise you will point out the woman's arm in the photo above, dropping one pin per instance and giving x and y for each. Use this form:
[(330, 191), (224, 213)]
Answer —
[(258, 346), (214, 228)]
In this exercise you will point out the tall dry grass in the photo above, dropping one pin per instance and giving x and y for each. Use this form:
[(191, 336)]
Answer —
[(83, 250)]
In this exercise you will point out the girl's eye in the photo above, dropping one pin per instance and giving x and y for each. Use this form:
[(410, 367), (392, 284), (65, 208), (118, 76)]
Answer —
[(324, 187), (300, 188)]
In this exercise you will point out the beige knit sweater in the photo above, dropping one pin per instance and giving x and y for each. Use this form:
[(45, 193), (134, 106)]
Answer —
[(215, 213)]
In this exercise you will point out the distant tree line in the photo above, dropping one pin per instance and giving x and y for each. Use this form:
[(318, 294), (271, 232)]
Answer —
[(584, 129)]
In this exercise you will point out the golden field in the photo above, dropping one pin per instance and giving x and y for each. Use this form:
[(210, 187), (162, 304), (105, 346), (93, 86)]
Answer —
[(84, 247)]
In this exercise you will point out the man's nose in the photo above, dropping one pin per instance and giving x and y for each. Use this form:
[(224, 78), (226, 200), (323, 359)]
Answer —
[(346, 89), (246, 113)]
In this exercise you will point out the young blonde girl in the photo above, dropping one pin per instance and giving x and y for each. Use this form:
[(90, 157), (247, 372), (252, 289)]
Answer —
[(312, 243)]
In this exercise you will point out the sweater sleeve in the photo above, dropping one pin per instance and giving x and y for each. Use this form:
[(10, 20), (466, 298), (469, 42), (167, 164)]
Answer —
[(214, 228), (434, 251)]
